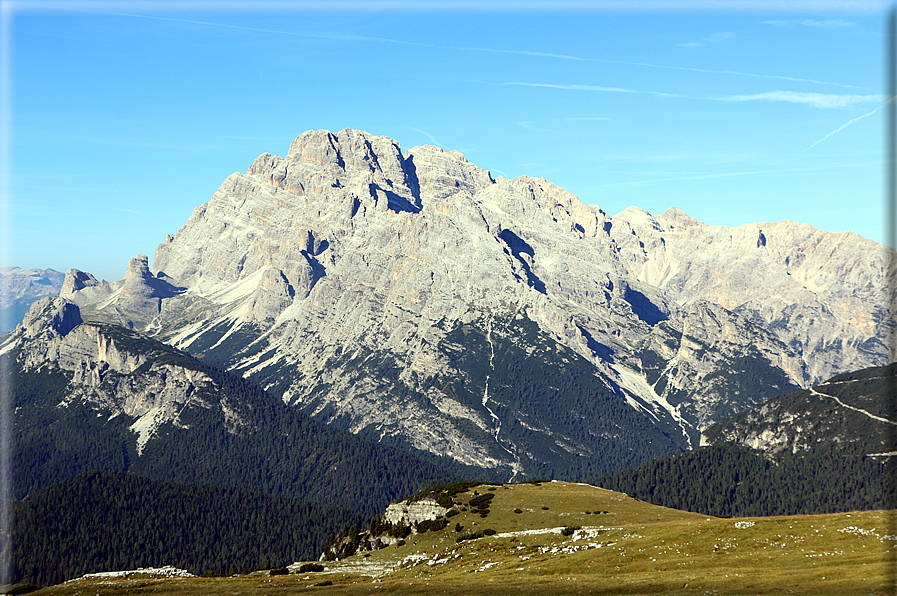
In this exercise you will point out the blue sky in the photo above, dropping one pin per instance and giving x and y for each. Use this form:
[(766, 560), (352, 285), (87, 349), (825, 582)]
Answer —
[(120, 118)]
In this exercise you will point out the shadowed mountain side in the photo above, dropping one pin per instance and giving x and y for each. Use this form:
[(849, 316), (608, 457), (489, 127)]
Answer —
[(93, 396)]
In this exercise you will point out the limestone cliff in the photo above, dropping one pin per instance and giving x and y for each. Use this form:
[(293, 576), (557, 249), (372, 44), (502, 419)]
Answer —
[(413, 298), (111, 370)]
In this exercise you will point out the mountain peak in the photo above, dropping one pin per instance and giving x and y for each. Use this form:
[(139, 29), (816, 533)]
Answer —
[(347, 149), (138, 267), (54, 317), (348, 276), (680, 218), (76, 280)]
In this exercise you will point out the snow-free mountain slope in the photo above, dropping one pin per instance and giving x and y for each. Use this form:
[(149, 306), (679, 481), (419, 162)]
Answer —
[(823, 294), (96, 396), (412, 298)]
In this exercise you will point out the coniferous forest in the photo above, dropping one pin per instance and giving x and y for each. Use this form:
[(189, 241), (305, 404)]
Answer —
[(108, 521), (280, 451), (737, 481), (824, 461)]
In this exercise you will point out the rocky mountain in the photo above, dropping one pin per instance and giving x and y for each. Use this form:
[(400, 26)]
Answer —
[(819, 450), (20, 288), (852, 409), (95, 396), (414, 299)]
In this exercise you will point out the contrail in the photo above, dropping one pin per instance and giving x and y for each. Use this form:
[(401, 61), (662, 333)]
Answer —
[(843, 126)]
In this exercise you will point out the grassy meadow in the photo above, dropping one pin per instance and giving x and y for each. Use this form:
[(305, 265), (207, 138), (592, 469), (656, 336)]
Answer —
[(614, 544)]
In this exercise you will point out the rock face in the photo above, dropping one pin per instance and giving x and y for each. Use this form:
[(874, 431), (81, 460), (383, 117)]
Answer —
[(20, 288), (824, 295), (137, 298), (852, 411), (412, 513), (99, 361), (501, 323)]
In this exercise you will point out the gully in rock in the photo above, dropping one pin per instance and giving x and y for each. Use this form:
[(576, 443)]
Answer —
[(510, 448)]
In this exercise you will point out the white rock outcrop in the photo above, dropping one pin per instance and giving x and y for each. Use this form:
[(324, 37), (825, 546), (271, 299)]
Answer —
[(414, 512)]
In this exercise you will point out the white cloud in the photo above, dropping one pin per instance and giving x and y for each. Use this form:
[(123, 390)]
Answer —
[(429, 136), (818, 100), (533, 126), (596, 88), (730, 72), (711, 176), (842, 127), (718, 36)]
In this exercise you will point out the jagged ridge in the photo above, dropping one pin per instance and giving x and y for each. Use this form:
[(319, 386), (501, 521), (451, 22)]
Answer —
[(333, 277)]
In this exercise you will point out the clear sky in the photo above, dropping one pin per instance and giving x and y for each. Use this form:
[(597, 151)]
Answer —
[(120, 118)]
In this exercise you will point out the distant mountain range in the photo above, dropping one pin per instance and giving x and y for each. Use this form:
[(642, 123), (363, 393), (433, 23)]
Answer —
[(20, 288)]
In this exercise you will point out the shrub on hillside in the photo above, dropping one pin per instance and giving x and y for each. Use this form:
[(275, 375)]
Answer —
[(481, 500), (469, 536)]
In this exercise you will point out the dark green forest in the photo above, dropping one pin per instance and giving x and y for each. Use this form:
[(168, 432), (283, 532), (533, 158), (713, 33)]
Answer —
[(279, 450), (810, 417), (824, 464), (108, 521), (534, 383), (737, 481)]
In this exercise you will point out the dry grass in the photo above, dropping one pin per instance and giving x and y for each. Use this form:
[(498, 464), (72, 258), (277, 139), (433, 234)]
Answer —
[(634, 548)]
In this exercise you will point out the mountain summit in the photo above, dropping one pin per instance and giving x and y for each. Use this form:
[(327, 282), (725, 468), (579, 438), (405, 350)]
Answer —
[(412, 298)]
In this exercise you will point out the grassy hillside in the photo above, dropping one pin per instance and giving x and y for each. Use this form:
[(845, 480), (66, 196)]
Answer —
[(624, 546)]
